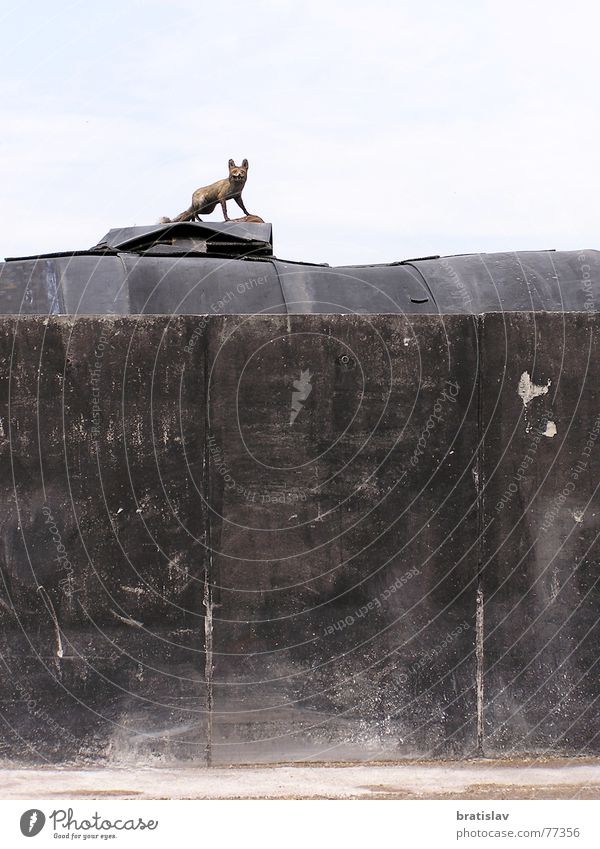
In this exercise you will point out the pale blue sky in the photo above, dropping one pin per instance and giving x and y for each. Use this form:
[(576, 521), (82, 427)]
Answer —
[(375, 131)]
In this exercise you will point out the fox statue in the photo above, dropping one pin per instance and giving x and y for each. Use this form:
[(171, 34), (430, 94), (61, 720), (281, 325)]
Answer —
[(205, 199)]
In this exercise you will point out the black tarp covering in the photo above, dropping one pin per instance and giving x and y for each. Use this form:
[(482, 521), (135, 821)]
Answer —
[(223, 269)]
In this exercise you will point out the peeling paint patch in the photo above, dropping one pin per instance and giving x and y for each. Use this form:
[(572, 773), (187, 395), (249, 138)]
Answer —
[(136, 590), (128, 620), (529, 390), (577, 515), (554, 585), (550, 429)]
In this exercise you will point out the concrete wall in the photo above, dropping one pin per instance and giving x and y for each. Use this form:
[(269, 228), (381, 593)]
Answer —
[(239, 539), (540, 563)]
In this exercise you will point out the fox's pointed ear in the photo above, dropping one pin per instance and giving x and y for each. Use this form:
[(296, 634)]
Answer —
[(231, 163), (245, 164)]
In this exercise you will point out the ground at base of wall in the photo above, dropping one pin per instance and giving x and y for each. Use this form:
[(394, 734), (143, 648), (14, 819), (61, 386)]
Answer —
[(479, 779)]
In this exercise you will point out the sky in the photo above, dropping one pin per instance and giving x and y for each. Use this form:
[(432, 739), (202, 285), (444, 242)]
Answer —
[(375, 131)]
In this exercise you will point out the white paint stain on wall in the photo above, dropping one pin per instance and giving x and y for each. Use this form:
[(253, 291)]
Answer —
[(550, 429), (529, 390)]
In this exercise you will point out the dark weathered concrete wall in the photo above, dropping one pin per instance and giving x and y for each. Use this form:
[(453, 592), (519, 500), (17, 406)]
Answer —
[(104, 540), (233, 586), (342, 554), (198, 565), (541, 519)]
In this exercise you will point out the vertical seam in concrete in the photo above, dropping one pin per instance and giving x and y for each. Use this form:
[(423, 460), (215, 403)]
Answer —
[(208, 665), (479, 656), (480, 483), (207, 594)]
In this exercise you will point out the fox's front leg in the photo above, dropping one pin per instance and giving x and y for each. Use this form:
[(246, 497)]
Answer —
[(224, 205), (240, 203)]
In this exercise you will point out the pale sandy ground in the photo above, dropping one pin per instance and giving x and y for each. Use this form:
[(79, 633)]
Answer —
[(545, 779)]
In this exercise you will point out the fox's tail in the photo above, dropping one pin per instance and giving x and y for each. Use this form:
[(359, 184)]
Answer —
[(188, 215)]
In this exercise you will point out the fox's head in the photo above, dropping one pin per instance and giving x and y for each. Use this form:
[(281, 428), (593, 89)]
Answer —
[(238, 172)]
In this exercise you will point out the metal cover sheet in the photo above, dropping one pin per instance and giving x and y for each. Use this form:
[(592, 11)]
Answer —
[(359, 289), (191, 286), (130, 283), (73, 285), (127, 238), (552, 281)]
